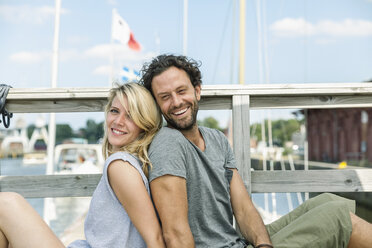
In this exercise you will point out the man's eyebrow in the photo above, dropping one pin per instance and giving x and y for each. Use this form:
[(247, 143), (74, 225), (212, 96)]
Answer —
[(166, 92), (162, 93)]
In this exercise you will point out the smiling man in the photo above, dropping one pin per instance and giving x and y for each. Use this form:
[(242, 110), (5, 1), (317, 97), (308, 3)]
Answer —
[(197, 189)]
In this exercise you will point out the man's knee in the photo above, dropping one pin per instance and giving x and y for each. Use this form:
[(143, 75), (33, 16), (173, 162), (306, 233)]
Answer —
[(325, 198)]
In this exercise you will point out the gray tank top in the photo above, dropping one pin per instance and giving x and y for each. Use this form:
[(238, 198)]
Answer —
[(107, 223)]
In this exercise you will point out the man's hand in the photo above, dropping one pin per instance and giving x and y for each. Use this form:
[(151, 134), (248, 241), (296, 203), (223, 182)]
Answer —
[(170, 198), (247, 217)]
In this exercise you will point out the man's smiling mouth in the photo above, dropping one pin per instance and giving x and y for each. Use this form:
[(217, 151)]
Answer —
[(180, 112)]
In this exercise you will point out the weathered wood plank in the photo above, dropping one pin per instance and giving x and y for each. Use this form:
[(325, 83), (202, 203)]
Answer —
[(213, 97), (207, 90), (311, 102), (241, 136), (262, 181), (207, 103), (56, 106), (312, 181), (50, 185), (325, 88)]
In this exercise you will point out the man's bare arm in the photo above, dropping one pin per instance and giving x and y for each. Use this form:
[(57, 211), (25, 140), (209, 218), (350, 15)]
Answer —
[(170, 198), (249, 221)]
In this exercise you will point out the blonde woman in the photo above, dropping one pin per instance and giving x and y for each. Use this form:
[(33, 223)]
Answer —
[(121, 213)]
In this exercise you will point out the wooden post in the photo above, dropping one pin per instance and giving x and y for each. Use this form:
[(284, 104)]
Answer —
[(241, 137)]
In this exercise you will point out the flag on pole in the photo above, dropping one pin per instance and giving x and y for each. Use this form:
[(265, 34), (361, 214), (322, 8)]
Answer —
[(129, 75), (121, 32)]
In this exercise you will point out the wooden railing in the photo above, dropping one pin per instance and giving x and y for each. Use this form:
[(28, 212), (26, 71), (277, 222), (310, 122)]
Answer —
[(239, 98)]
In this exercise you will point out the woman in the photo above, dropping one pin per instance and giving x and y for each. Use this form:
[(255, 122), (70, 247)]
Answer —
[(121, 213)]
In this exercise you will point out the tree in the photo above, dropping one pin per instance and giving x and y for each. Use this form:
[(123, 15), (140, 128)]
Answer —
[(93, 131), (210, 122), (63, 132), (282, 130), (30, 130)]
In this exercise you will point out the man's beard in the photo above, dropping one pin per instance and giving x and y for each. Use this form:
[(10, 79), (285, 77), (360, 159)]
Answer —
[(185, 125)]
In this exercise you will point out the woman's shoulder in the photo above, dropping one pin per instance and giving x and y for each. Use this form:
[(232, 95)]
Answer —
[(125, 157)]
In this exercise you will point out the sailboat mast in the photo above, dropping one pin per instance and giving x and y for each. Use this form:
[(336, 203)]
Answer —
[(242, 42), (185, 20), (52, 120)]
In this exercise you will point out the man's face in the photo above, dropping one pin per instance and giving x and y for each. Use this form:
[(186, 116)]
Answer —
[(177, 98)]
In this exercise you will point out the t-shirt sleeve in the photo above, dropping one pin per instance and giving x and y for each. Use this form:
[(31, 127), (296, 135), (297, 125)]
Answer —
[(167, 154), (126, 157)]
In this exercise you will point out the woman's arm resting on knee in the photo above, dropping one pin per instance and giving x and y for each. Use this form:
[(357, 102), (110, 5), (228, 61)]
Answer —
[(249, 221), (131, 191)]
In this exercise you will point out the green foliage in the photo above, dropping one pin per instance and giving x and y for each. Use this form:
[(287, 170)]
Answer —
[(210, 122), (63, 131), (30, 130), (92, 132), (282, 130)]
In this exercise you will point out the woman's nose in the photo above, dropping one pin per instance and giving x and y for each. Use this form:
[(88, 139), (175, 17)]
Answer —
[(120, 119)]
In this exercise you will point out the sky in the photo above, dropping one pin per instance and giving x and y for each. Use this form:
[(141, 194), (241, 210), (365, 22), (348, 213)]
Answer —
[(302, 41)]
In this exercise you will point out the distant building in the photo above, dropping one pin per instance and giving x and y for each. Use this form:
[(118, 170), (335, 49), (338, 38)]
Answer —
[(336, 135)]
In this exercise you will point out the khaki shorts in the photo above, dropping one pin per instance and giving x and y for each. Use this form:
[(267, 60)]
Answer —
[(321, 222)]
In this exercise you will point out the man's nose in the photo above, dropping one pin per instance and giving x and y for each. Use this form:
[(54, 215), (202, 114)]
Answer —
[(177, 101)]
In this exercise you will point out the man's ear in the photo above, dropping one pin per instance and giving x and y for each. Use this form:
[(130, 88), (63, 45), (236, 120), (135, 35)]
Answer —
[(198, 92)]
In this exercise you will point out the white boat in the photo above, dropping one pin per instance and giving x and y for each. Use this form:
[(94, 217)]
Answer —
[(78, 159), (32, 158)]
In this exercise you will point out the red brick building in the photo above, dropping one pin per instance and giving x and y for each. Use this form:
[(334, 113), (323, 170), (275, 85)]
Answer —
[(335, 135)]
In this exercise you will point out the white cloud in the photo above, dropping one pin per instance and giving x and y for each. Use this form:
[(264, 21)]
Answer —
[(70, 54), (119, 51), (77, 39), (291, 27), (348, 27), (112, 2), (122, 56), (325, 41), (29, 57), (102, 70), (26, 57), (28, 14)]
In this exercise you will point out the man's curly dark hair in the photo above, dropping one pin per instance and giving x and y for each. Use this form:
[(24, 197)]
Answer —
[(163, 62)]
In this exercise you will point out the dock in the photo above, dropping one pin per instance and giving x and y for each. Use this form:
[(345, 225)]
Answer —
[(240, 99)]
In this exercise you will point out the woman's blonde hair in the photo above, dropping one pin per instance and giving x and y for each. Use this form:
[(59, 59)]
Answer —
[(144, 112)]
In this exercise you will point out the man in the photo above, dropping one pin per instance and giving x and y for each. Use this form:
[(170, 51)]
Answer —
[(197, 189)]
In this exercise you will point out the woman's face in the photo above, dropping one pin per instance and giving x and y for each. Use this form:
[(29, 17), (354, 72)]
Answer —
[(121, 130)]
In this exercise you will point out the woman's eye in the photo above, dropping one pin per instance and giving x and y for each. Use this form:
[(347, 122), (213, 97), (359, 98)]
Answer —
[(114, 111)]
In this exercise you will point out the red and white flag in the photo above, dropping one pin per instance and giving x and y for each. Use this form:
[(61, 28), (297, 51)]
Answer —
[(121, 32)]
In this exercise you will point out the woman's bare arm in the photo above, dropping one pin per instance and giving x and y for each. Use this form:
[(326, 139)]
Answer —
[(129, 188)]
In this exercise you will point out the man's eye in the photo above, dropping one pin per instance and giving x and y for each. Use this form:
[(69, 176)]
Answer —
[(164, 98)]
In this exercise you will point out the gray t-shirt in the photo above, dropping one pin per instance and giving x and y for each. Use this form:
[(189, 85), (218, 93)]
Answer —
[(107, 223), (208, 180)]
